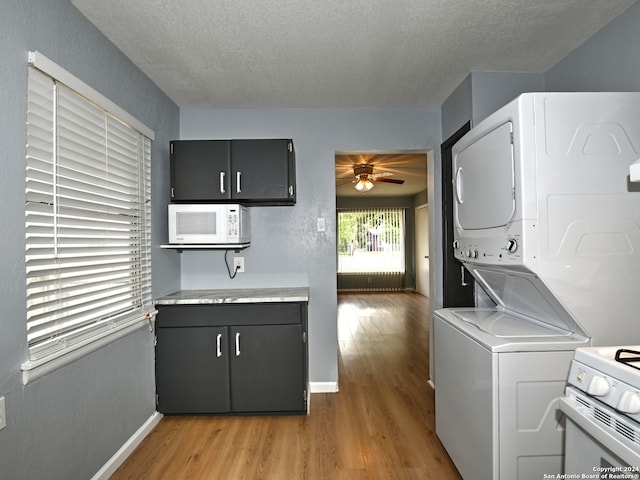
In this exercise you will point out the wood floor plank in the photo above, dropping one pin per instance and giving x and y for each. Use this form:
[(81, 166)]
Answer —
[(379, 426)]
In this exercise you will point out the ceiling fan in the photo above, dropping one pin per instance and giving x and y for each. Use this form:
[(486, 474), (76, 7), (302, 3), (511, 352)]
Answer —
[(365, 178)]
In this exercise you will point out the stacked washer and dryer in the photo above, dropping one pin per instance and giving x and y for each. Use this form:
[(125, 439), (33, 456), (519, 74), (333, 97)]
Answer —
[(548, 223)]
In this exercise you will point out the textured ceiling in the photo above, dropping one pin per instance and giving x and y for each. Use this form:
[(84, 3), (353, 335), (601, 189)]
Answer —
[(339, 53)]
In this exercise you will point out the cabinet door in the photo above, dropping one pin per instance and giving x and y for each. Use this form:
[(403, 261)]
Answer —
[(263, 170), (200, 170), (267, 368), (192, 370)]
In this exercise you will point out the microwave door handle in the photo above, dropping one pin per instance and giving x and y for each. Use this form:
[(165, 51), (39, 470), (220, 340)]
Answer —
[(459, 185), (222, 182)]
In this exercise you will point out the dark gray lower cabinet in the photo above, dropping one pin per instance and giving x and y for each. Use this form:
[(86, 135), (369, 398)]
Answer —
[(232, 359)]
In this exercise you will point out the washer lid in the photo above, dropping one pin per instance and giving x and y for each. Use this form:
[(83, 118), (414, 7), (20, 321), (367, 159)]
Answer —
[(501, 331), (503, 324), (526, 295)]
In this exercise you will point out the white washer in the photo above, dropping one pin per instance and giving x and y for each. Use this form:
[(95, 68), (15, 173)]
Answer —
[(499, 377)]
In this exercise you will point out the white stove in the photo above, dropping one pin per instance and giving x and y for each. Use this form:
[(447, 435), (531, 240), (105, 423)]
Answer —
[(602, 405)]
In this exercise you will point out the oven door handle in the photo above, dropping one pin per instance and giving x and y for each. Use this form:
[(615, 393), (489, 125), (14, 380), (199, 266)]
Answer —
[(573, 410)]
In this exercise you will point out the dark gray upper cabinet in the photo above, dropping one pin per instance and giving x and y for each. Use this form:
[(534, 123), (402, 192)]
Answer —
[(245, 171), (200, 170)]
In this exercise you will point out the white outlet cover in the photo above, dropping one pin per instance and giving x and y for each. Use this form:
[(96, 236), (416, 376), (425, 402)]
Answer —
[(238, 264)]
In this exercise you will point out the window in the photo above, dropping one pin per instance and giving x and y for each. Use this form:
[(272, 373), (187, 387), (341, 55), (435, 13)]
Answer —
[(88, 265), (371, 240)]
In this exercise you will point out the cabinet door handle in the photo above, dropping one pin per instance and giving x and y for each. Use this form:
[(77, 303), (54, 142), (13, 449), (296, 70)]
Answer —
[(462, 280), (219, 345), (238, 186), (237, 344), (221, 182)]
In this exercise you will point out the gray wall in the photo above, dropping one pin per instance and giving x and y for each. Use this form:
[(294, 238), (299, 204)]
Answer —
[(67, 424), (286, 249), (482, 93), (608, 61)]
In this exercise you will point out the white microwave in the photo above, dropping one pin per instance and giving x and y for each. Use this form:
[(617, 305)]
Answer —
[(209, 224)]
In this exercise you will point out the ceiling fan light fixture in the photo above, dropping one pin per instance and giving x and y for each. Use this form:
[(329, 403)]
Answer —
[(363, 184)]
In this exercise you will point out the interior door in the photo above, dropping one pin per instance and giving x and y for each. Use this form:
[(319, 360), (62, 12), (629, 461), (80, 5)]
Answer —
[(457, 283), (422, 249)]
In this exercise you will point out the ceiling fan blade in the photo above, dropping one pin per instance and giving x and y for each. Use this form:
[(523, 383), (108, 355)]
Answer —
[(389, 180), (381, 174), (346, 182)]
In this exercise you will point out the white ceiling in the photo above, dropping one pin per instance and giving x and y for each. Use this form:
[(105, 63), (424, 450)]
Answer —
[(339, 53)]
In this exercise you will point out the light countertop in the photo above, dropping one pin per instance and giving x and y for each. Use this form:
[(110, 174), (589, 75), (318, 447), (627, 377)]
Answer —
[(240, 295)]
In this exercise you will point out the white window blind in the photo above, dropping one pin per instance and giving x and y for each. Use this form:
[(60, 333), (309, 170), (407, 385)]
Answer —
[(88, 246), (371, 240)]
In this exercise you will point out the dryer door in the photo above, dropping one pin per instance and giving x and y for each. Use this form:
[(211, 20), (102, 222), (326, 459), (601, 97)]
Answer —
[(483, 182)]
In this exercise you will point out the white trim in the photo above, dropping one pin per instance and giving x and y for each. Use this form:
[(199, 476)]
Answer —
[(323, 387), (127, 448), (32, 371), (42, 63)]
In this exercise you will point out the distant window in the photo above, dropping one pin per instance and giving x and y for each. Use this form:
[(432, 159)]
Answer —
[(371, 240), (88, 219)]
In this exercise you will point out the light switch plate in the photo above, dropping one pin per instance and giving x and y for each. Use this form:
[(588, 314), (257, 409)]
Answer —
[(321, 224), (3, 414)]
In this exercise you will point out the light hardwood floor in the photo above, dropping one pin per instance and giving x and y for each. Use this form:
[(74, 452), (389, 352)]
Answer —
[(379, 426)]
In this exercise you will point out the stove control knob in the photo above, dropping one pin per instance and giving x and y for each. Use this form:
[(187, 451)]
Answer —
[(598, 386), (629, 402)]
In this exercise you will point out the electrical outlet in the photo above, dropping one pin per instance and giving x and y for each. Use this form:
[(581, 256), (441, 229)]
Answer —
[(3, 414), (238, 264)]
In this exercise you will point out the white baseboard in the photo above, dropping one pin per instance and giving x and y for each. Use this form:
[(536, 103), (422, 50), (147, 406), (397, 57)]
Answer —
[(323, 387), (127, 449)]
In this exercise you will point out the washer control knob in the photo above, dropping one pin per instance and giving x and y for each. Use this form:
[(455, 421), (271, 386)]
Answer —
[(472, 253), (598, 386), (512, 245), (629, 402), (456, 244)]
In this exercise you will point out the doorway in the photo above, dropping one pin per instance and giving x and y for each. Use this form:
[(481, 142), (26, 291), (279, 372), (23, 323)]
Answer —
[(457, 285), (381, 181)]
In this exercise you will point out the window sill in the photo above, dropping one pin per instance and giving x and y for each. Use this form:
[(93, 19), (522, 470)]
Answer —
[(32, 370)]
